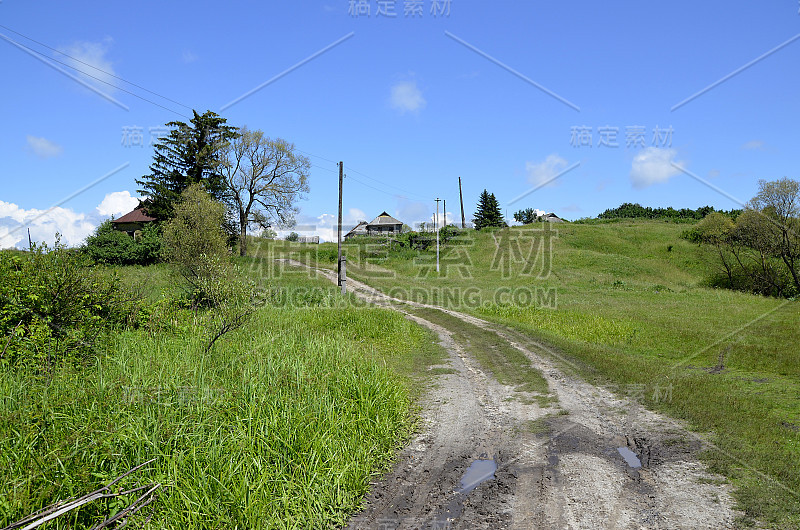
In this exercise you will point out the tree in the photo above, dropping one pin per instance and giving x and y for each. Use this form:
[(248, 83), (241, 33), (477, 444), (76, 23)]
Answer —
[(716, 229), (263, 179), (189, 154), (195, 242), (779, 202), (194, 234), (760, 251), (488, 213), (268, 233), (526, 216)]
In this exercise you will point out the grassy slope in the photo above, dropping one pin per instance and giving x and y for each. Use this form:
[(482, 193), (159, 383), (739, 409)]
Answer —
[(635, 315), (281, 425)]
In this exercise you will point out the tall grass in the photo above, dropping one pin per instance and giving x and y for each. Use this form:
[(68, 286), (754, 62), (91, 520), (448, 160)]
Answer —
[(281, 425)]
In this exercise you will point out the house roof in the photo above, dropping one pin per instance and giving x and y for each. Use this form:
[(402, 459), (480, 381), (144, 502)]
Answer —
[(136, 216), (385, 219), (360, 228)]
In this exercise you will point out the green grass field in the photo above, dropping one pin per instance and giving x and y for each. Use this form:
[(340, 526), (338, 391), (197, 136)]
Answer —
[(626, 304), (281, 425), (284, 421)]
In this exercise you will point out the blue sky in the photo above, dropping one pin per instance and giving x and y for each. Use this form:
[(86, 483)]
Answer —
[(482, 90)]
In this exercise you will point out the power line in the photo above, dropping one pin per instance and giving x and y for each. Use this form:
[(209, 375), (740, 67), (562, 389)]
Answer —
[(92, 66), (45, 57), (322, 168), (378, 189), (317, 156), (407, 192), (389, 185)]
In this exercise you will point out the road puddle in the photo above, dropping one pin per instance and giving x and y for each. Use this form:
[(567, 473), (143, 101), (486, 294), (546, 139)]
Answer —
[(630, 457), (478, 472)]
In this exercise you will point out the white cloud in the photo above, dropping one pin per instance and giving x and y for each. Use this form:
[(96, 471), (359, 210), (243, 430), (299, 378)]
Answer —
[(714, 173), (43, 148), (117, 203), (90, 57), (754, 145), (43, 224), (653, 165), (406, 97), (545, 172)]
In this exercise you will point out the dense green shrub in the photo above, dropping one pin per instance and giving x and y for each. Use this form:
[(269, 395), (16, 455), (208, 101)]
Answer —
[(114, 247), (759, 252), (55, 306)]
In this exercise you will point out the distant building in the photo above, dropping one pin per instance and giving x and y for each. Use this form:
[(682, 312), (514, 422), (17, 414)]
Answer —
[(553, 218), (382, 225), (308, 239), (132, 222), (359, 230)]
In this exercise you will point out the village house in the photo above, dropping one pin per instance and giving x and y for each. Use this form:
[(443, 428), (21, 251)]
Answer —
[(382, 225), (553, 218), (359, 230), (133, 221)]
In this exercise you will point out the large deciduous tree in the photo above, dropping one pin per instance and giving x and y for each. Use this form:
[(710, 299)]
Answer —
[(488, 213), (190, 154), (263, 178)]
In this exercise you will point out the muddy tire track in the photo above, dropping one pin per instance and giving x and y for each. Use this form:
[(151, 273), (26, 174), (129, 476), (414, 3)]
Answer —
[(558, 466)]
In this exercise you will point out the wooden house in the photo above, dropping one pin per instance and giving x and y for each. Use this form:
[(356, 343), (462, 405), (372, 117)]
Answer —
[(133, 221), (359, 230), (553, 218), (384, 224)]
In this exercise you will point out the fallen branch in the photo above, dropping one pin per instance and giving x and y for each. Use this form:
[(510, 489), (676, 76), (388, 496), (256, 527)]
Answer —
[(9, 339), (58, 509)]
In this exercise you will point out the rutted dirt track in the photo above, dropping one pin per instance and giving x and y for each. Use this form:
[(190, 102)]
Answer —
[(568, 472)]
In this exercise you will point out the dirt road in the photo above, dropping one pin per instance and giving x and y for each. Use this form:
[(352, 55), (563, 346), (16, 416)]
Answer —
[(585, 459)]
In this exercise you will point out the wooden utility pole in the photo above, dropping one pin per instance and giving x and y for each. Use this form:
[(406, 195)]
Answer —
[(436, 227), (339, 228), (461, 198), (444, 211), (30, 243)]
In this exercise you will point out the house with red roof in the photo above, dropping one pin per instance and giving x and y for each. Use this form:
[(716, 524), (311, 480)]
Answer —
[(133, 221)]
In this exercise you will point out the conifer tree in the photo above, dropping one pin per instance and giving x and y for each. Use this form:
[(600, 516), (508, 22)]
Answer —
[(488, 213), (190, 153)]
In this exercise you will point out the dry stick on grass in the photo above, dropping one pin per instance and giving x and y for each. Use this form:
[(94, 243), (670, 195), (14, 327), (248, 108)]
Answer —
[(228, 325), (10, 337), (60, 508), (144, 499)]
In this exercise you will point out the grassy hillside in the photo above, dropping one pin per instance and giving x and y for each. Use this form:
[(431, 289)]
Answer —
[(626, 304)]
